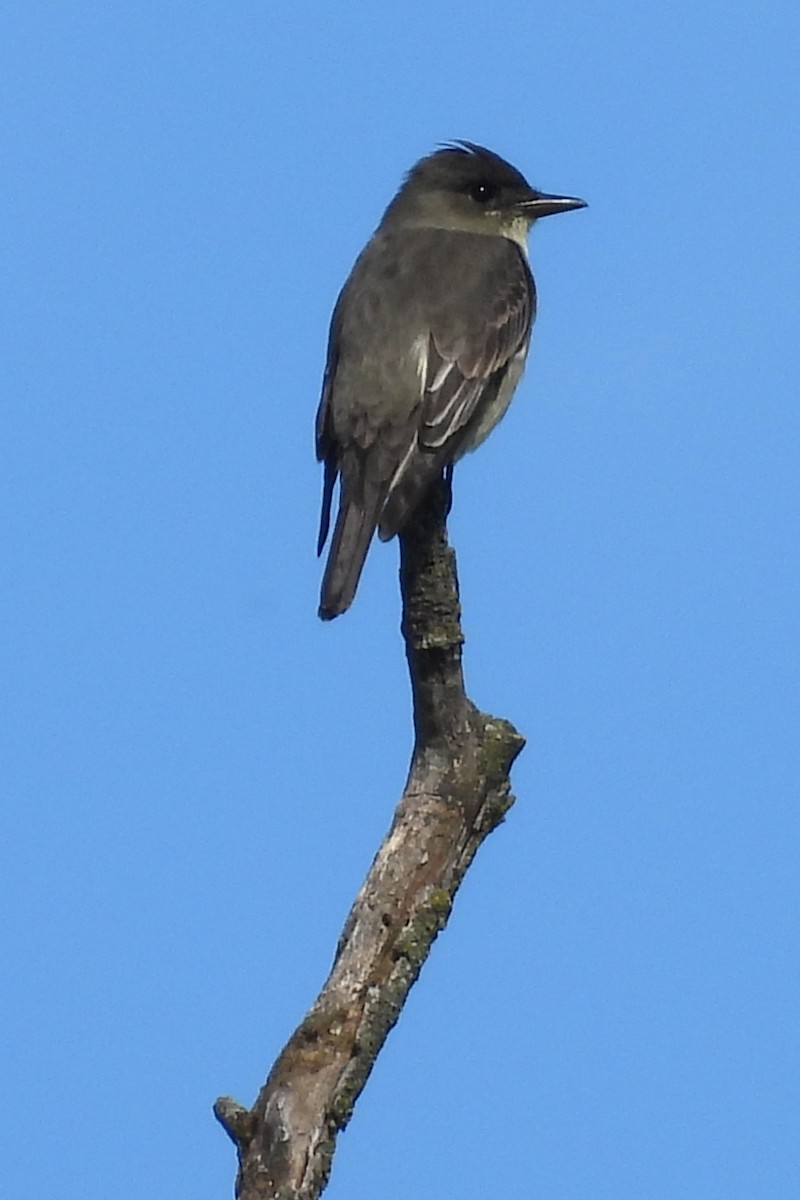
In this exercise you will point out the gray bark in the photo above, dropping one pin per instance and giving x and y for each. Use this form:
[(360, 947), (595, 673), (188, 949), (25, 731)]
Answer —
[(457, 792)]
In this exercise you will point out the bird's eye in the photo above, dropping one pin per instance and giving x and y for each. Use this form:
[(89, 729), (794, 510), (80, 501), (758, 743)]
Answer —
[(482, 193)]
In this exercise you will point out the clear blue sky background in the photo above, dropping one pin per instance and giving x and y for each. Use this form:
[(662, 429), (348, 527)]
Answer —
[(197, 772)]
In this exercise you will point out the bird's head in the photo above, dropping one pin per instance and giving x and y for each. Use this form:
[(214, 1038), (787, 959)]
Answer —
[(465, 187)]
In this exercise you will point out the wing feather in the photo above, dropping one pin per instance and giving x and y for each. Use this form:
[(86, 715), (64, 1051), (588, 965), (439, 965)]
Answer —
[(463, 361)]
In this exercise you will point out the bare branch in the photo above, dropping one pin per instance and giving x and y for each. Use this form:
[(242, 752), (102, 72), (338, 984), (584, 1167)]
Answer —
[(457, 792)]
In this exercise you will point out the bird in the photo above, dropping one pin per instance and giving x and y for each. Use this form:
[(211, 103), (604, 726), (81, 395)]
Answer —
[(427, 343)]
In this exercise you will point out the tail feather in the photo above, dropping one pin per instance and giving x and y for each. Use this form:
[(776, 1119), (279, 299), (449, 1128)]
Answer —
[(355, 527)]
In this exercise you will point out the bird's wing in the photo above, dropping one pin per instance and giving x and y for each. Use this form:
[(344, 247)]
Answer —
[(466, 355)]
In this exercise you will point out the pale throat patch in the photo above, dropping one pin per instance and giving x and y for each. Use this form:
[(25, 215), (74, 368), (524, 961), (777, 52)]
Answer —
[(517, 230)]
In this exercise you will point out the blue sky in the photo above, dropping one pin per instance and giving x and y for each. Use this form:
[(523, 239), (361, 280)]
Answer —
[(197, 772)]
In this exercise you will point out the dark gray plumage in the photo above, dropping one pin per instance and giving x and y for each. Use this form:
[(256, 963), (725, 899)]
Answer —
[(427, 342)]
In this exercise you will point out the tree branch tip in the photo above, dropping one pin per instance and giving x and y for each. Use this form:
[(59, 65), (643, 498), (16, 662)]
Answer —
[(235, 1119), (507, 739)]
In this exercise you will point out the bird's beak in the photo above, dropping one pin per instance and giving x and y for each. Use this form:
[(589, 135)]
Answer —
[(540, 204)]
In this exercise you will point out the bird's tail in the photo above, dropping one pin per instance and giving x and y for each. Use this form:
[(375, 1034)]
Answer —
[(355, 526)]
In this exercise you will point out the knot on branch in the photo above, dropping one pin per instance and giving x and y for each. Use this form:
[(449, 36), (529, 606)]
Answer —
[(237, 1121)]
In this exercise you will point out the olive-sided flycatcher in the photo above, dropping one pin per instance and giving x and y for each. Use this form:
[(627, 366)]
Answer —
[(427, 344)]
